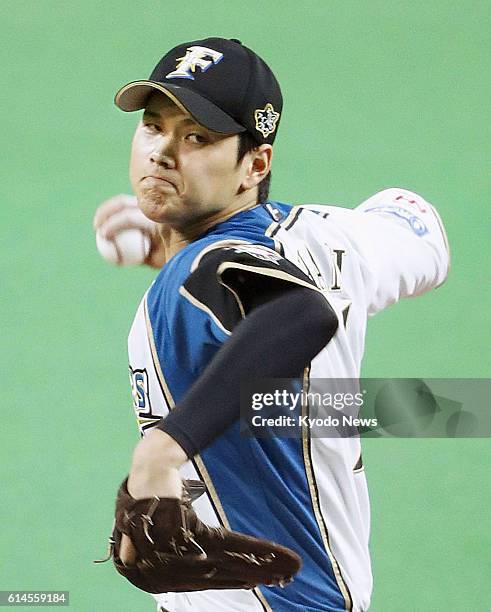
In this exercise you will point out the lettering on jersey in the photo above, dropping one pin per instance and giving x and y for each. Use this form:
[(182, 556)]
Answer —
[(141, 399), (414, 222), (196, 57), (345, 314), (256, 250), (337, 264), (139, 389), (308, 264)]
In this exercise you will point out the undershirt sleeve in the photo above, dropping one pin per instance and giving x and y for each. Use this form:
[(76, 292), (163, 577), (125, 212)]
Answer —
[(282, 332)]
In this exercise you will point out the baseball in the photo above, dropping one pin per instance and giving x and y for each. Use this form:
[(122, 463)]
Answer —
[(128, 248)]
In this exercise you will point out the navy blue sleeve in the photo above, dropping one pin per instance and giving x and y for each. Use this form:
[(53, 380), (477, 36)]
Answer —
[(260, 345)]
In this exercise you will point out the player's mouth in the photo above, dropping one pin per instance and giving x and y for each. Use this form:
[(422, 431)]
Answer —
[(162, 183)]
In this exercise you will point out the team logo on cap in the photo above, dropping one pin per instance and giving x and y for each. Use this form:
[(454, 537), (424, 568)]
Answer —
[(266, 119), (196, 57)]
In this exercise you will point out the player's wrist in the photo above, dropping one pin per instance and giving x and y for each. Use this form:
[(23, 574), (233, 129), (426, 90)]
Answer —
[(159, 448), (154, 469), (146, 481)]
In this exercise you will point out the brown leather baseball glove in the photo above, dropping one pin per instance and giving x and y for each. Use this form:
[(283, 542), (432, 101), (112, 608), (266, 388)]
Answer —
[(178, 552)]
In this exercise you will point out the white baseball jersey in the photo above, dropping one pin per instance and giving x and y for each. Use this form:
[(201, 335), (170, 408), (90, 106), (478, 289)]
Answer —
[(307, 493)]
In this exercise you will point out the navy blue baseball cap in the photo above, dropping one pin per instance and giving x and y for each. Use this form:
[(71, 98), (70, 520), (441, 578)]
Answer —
[(224, 85)]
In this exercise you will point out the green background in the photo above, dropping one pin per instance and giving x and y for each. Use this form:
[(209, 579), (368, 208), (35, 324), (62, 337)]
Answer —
[(378, 94)]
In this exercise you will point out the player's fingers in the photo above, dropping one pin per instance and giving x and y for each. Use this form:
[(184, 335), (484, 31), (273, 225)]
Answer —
[(127, 552), (112, 206), (128, 218)]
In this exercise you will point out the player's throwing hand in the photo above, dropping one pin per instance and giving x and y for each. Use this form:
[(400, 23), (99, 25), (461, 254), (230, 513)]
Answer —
[(120, 213)]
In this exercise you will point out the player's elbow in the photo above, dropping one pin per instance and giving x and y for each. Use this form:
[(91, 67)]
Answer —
[(320, 319)]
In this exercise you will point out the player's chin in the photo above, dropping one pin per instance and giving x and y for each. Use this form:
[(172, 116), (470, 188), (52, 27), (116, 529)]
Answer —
[(158, 207)]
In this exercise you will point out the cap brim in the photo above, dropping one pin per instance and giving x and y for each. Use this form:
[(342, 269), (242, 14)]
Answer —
[(134, 96)]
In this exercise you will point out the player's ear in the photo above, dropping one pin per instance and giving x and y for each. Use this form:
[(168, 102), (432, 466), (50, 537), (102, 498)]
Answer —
[(258, 165)]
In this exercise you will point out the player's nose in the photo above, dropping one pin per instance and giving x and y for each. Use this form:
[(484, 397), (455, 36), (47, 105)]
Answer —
[(163, 153)]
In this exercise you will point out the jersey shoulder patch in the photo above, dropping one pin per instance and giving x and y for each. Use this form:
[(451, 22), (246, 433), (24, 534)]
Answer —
[(229, 277)]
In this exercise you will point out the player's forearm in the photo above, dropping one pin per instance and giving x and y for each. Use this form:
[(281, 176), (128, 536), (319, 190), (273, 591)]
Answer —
[(276, 340)]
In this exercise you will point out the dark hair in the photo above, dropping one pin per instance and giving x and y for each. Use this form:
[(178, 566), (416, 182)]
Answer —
[(246, 144)]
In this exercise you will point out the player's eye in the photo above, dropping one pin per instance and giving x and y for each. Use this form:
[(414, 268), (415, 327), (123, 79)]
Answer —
[(196, 138), (151, 127)]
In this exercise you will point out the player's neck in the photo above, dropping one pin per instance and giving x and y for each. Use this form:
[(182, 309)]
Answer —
[(192, 231), (175, 239)]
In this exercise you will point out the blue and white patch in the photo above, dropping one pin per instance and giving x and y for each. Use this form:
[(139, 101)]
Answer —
[(415, 223)]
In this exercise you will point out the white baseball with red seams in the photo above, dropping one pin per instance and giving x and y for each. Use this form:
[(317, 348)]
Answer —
[(127, 248)]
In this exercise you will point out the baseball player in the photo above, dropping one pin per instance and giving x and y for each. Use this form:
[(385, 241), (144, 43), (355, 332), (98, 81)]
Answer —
[(250, 288)]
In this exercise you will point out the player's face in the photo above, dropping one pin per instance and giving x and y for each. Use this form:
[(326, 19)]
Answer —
[(180, 171)]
